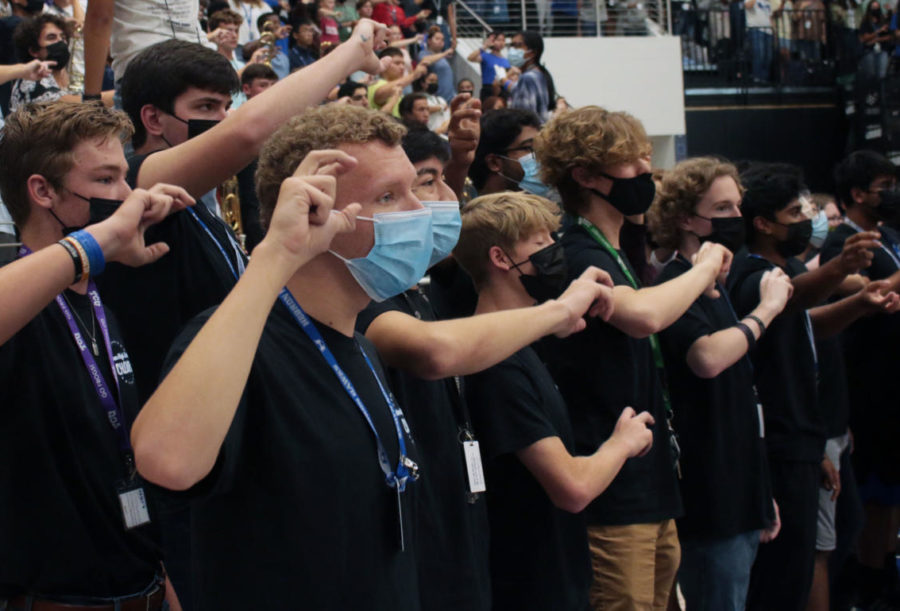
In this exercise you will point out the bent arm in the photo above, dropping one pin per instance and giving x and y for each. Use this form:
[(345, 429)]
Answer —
[(435, 350), (712, 354), (640, 313), (815, 286), (572, 482)]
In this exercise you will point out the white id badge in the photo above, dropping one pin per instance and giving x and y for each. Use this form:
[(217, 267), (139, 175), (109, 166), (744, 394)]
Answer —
[(439, 20), (762, 426), (473, 466), (134, 507)]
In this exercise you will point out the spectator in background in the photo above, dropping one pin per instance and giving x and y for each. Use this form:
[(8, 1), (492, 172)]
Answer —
[(809, 17), (490, 55), (396, 40), (365, 9), (494, 102), (328, 25), (73, 12), (228, 23), (759, 37), (465, 86), (256, 78), (386, 92), (437, 62), (46, 38), (347, 16), (21, 9), (533, 90), (506, 136), (876, 41), (251, 11), (354, 93), (413, 110), (305, 50), (438, 108), (271, 22), (389, 12)]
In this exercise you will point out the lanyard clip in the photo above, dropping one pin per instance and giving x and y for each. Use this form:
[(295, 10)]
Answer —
[(411, 466)]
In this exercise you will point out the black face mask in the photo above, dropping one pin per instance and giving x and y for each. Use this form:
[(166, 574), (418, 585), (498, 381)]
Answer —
[(551, 273), (888, 208), (797, 239), (58, 52), (431, 88), (630, 196), (100, 210), (34, 6), (728, 231), (197, 126)]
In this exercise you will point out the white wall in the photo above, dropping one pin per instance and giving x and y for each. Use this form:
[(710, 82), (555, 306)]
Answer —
[(641, 75)]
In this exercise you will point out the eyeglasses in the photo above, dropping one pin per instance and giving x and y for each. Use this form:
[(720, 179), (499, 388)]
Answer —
[(528, 148)]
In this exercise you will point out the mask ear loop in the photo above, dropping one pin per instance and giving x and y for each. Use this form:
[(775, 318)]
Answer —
[(358, 218)]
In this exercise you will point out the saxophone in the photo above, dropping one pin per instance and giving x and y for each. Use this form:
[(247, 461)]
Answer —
[(229, 198)]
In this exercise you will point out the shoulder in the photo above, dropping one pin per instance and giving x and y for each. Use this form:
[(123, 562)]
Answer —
[(673, 269), (375, 309)]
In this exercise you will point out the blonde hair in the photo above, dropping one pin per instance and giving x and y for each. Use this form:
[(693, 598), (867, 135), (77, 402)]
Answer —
[(41, 139), (678, 194), (589, 137), (319, 128), (500, 219)]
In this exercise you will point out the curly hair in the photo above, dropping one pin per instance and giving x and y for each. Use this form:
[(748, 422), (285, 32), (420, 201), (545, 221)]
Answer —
[(678, 194), (324, 127), (40, 139), (28, 34), (500, 219), (590, 137), (225, 16)]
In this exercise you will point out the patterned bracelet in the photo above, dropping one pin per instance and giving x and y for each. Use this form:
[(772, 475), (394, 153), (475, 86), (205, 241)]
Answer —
[(76, 259), (96, 260)]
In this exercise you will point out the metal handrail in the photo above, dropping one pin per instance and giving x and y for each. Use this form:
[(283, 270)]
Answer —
[(474, 15)]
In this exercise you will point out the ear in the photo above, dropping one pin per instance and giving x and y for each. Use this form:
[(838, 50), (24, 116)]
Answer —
[(493, 162), (150, 117), (684, 223), (586, 180), (40, 191), (246, 88), (499, 259), (762, 225), (857, 195)]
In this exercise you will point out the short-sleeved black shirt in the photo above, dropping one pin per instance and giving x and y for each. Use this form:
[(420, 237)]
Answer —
[(600, 372), (784, 367), (63, 532), (872, 361), (452, 533), (539, 553), (296, 512), (724, 484), (155, 301)]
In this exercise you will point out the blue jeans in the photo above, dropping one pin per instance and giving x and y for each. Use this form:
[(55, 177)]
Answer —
[(760, 52), (715, 574)]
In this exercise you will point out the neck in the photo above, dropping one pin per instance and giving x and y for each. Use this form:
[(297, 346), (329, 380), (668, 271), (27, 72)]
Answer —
[(689, 246), (766, 249), (605, 218), (327, 291), (228, 53), (499, 295), (151, 145), (859, 216)]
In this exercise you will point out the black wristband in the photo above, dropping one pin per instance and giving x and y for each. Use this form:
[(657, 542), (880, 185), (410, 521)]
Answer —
[(751, 341), (90, 97), (76, 259), (762, 326)]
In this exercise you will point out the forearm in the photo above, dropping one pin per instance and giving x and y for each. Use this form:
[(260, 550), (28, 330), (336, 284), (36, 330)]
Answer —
[(711, 355), (474, 56), (12, 72), (78, 11), (202, 163), (178, 433), (463, 346), (598, 470), (97, 31), (640, 313), (454, 172), (829, 320), (815, 286)]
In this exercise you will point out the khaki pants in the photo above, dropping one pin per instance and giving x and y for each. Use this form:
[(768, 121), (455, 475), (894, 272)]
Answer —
[(634, 566)]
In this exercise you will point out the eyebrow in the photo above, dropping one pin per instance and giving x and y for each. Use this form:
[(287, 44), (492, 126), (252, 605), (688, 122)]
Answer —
[(424, 171), (111, 167)]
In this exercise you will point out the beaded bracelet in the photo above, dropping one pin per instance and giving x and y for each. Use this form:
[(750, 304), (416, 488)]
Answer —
[(76, 259), (96, 260), (82, 253), (751, 341)]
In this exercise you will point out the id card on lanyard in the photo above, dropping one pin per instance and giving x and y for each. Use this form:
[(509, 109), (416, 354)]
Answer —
[(130, 492), (406, 470)]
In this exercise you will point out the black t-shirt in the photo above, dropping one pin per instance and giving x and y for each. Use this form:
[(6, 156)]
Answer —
[(155, 301), (296, 512), (7, 56), (451, 290), (600, 372), (63, 532), (452, 533), (784, 366), (872, 361), (539, 553), (724, 482)]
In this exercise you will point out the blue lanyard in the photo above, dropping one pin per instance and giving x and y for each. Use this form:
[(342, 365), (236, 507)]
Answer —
[(894, 250), (406, 468), (111, 406), (238, 253)]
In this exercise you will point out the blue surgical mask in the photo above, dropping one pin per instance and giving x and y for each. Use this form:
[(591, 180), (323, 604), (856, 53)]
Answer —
[(516, 57), (531, 179), (446, 224), (819, 230), (400, 256)]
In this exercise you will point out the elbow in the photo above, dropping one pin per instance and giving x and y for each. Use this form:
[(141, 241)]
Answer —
[(704, 368), (158, 464), (572, 497), (644, 323), (437, 362)]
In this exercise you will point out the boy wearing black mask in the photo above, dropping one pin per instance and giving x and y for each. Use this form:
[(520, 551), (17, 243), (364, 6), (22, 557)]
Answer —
[(539, 551), (785, 368), (599, 163), (866, 185)]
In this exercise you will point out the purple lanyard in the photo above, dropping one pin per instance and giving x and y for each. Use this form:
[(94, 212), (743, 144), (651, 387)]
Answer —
[(110, 405)]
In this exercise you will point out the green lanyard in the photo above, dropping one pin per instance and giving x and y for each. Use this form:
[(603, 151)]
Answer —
[(654, 341)]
